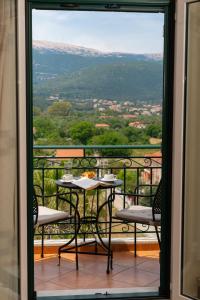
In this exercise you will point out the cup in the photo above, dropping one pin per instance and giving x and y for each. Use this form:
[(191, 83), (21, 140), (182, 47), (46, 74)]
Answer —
[(109, 177), (67, 177)]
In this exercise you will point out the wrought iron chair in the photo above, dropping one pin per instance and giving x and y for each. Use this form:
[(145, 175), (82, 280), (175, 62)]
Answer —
[(43, 216), (140, 214)]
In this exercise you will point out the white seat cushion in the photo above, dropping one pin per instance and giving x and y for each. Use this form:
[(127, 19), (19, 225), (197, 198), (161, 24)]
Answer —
[(138, 214), (47, 215)]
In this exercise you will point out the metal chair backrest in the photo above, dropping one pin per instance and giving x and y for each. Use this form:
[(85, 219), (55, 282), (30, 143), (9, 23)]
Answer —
[(35, 208), (156, 208)]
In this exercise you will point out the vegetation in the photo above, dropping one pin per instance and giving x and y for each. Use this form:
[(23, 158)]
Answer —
[(75, 76), (111, 138), (111, 81), (59, 108), (60, 124), (71, 90), (82, 132)]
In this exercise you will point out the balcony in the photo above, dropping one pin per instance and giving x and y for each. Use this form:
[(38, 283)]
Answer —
[(134, 166)]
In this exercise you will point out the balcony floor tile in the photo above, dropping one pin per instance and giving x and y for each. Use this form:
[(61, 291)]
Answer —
[(128, 271)]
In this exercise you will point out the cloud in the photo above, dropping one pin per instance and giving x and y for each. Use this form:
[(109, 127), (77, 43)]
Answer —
[(107, 31)]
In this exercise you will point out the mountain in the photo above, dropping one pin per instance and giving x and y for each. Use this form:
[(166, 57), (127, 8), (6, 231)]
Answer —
[(75, 72), (66, 48), (46, 46)]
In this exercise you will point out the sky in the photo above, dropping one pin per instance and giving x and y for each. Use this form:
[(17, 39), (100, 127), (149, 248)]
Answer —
[(105, 31)]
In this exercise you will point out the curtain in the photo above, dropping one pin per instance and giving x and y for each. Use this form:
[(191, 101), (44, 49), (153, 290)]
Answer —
[(9, 264)]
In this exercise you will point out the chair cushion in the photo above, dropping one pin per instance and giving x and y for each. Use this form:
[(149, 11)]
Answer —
[(138, 214), (48, 215)]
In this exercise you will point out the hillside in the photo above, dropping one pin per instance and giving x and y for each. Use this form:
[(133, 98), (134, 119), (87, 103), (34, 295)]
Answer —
[(75, 72)]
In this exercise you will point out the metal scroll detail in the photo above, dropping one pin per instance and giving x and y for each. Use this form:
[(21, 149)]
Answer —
[(132, 170)]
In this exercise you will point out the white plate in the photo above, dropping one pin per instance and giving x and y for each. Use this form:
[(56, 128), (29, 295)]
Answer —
[(108, 180), (67, 181)]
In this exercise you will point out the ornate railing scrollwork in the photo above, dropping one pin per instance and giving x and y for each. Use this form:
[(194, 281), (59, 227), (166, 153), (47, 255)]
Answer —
[(133, 170)]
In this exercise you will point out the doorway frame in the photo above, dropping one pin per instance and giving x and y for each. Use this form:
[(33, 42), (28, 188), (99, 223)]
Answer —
[(168, 8)]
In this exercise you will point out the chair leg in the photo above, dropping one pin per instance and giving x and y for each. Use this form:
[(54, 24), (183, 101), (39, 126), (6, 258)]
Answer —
[(76, 243), (135, 239), (158, 236), (109, 262), (159, 241), (42, 246), (59, 257), (96, 248)]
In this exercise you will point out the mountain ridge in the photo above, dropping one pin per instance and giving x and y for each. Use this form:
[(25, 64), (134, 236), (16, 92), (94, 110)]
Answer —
[(73, 72), (87, 51)]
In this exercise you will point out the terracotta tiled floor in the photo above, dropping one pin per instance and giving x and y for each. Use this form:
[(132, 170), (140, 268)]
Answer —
[(128, 271)]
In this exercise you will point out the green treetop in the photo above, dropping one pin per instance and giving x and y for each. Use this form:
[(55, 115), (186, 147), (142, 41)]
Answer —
[(60, 108)]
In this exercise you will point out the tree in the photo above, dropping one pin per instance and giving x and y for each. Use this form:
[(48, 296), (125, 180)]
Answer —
[(131, 180), (117, 123), (111, 138), (36, 111), (60, 108), (43, 126), (154, 130), (82, 132), (136, 136)]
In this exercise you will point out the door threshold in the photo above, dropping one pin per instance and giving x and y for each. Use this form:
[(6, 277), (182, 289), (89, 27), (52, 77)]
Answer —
[(97, 293)]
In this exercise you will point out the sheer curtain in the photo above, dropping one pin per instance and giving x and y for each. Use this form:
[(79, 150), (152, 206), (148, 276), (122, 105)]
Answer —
[(9, 264), (191, 246)]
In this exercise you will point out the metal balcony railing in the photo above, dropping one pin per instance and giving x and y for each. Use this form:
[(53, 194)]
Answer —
[(50, 164)]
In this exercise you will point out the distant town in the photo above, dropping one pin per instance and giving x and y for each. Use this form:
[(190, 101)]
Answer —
[(126, 110), (102, 105)]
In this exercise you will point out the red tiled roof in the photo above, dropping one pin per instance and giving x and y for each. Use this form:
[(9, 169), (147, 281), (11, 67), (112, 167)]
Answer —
[(102, 125), (136, 123), (129, 116), (105, 117), (69, 153), (157, 154)]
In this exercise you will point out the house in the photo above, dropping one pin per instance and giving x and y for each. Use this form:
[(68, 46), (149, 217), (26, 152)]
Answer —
[(62, 153), (154, 173), (105, 117), (137, 124), (156, 109), (115, 107), (129, 116), (101, 109), (145, 113), (102, 125)]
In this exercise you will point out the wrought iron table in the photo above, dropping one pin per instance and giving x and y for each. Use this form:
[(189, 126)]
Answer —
[(91, 220)]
